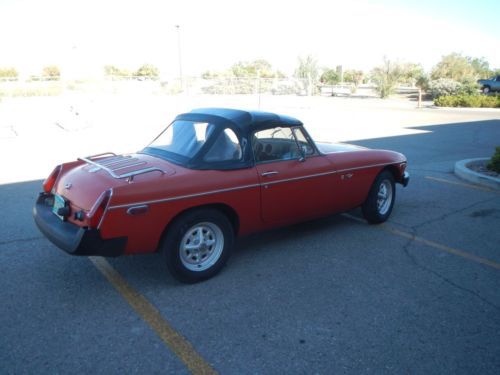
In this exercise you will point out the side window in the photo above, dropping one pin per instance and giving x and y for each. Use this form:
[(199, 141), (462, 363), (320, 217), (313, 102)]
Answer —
[(275, 144), (226, 148)]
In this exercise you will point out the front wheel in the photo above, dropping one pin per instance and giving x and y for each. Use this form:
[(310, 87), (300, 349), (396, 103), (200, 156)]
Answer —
[(378, 205), (197, 245), (486, 90)]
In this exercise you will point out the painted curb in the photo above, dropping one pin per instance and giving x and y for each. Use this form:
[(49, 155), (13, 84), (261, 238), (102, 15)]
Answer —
[(462, 171)]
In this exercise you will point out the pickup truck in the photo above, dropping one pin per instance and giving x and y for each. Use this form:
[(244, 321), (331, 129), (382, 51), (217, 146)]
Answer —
[(488, 85)]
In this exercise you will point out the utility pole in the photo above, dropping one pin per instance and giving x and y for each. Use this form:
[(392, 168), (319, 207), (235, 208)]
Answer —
[(179, 54)]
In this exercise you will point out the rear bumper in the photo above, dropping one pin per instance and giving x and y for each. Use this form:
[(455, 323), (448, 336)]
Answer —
[(71, 238), (405, 179)]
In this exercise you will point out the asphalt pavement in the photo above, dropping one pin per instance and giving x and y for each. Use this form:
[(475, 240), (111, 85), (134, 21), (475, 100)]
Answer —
[(418, 294)]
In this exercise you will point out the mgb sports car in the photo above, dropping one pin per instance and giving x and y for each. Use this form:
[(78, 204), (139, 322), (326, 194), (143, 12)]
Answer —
[(211, 175)]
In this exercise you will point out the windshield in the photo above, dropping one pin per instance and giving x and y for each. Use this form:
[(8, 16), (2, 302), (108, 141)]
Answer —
[(181, 140)]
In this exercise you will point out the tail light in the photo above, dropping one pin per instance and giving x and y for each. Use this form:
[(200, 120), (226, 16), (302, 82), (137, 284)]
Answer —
[(49, 183), (95, 215)]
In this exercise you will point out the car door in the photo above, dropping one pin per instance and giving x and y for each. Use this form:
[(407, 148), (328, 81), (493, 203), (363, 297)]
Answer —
[(296, 183)]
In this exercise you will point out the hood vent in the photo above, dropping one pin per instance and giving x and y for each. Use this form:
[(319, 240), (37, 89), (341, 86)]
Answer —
[(113, 164)]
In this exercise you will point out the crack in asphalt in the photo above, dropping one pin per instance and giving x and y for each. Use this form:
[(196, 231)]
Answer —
[(406, 250), (19, 240), (60, 126), (14, 130), (448, 214)]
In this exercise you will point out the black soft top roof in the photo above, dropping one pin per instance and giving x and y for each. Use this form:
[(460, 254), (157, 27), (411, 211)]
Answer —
[(246, 121)]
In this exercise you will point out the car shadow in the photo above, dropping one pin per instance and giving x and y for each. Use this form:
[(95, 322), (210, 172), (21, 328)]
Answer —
[(446, 143)]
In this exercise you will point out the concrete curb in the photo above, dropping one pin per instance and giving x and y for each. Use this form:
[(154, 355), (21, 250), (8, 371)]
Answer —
[(464, 109), (462, 171)]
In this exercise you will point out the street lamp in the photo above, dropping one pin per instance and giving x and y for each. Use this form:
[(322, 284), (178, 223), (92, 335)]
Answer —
[(179, 54)]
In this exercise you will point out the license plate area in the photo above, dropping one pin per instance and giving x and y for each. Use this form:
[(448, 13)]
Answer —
[(59, 202)]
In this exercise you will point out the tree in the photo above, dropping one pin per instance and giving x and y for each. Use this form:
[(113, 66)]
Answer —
[(329, 77), (412, 73), (481, 67), (148, 71), (456, 67), (308, 71), (386, 77), (354, 76), (51, 73), (257, 68)]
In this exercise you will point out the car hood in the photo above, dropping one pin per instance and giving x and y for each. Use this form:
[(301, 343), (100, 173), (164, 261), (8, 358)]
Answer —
[(83, 183)]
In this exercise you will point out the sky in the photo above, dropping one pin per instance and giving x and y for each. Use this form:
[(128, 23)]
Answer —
[(81, 36)]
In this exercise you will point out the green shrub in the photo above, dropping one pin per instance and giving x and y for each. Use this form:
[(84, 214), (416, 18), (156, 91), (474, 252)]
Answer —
[(490, 101), (494, 164), (469, 88), (471, 101), (446, 101)]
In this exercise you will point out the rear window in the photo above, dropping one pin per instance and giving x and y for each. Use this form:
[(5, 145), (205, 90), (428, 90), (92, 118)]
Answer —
[(184, 138)]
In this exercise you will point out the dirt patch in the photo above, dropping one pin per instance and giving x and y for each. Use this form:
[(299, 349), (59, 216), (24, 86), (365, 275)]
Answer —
[(479, 166)]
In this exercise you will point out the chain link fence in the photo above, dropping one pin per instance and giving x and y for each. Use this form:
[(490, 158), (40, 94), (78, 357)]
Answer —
[(188, 85)]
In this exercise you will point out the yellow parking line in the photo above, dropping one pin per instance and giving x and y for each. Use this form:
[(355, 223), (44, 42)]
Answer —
[(471, 186), (432, 244), (177, 343)]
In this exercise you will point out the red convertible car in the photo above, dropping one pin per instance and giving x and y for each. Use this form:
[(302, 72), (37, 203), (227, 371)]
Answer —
[(210, 175)]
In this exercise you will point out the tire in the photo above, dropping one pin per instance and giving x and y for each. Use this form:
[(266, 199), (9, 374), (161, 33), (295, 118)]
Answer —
[(197, 245), (486, 90), (378, 205)]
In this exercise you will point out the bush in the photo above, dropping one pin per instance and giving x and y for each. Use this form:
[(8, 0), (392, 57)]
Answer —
[(9, 74), (494, 164), (472, 101), (446, 101), (469, 88), (444, 86), (148, 71), (51, 73)]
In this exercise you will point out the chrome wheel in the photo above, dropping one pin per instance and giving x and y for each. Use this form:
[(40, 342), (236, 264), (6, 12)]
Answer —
[(384, 197), (378, 204), (201, 246)]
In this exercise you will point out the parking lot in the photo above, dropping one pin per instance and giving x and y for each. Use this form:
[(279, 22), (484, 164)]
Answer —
[(418, 294)]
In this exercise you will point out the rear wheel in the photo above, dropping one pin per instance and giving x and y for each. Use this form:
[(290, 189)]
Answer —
[(197, 245), (378, 205)]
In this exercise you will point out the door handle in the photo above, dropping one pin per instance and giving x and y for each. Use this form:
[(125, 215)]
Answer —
[(270, 173)]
